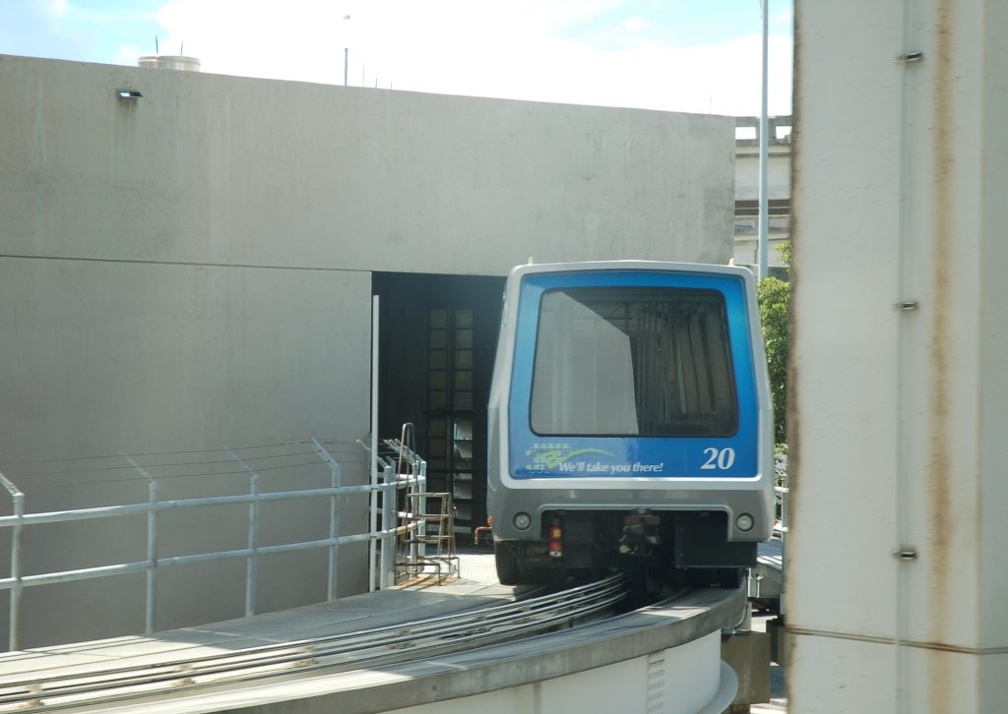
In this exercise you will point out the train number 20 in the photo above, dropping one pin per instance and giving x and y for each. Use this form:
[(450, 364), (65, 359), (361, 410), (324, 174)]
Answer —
[(718, 459)]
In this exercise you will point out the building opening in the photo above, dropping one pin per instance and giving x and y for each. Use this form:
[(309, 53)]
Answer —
[(436, 343)]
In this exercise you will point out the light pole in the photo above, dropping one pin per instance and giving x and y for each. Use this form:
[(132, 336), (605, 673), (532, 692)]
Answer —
[(764, 222), (346, 57)]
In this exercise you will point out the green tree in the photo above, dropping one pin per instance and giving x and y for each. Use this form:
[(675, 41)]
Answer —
[(774, 303)]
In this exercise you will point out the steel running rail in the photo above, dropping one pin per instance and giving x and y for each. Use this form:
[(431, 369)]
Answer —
[(341, 652)]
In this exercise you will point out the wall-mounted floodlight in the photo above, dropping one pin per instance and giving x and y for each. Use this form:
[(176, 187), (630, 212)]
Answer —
[(129, 94)]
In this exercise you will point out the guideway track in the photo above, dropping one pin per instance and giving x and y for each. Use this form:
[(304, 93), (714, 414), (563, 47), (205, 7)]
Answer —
[(355, 650)]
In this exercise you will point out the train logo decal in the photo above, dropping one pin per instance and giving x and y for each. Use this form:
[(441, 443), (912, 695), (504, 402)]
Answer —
[(552, 456)]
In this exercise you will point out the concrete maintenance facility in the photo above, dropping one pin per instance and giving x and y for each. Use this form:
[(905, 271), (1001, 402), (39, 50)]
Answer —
[(188, 263)]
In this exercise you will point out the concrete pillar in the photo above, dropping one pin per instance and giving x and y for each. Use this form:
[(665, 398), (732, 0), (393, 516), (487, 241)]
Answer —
[(897, 592)]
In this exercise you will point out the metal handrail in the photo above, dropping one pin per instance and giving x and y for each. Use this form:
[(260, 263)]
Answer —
[(17, 580)]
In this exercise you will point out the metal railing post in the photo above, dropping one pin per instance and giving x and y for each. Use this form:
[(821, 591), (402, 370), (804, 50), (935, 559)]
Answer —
[(418, 551), (252, 562), (388, 527), (150, 616), (14, 626), (152, 554), (15, 597), (336, 478)]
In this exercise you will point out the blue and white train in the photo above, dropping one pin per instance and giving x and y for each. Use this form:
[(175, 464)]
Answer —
[(629, 423)]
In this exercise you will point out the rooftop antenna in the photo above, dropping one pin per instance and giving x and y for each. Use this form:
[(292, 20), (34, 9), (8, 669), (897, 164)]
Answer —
[(156, 50), (346, 58)]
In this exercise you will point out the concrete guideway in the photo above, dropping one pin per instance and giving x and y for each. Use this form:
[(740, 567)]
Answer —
[(656, 659), (655, 655), (385, 609)]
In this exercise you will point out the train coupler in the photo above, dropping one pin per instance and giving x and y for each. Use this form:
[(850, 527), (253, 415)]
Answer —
[(640, 534)]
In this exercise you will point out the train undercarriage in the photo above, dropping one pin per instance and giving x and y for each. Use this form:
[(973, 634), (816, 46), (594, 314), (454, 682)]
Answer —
[(661, 549)]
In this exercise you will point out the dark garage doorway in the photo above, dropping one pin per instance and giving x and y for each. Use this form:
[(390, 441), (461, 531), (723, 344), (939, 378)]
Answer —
[(436, 343)]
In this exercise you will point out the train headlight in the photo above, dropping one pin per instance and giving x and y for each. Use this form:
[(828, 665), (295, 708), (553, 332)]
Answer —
[(744, 522), (522, 521)]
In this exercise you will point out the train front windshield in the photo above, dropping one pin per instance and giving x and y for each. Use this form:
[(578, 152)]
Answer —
[(633, 361)]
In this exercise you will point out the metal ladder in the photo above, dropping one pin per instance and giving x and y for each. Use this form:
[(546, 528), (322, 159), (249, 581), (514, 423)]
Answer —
[(431, 516), (426, 520)]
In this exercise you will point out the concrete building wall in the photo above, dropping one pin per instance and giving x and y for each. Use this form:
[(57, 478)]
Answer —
[(192, 267), (212, 169), (896, 587)]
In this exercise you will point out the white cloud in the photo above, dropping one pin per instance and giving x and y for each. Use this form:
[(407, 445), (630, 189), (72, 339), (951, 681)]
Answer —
[(509, 50), (634, 24), (782, 16), (56, 9), (128, 54)]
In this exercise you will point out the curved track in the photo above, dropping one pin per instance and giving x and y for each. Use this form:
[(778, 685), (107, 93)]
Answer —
[(356, 650)]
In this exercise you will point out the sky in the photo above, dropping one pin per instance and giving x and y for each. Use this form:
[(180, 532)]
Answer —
[(701, 56)]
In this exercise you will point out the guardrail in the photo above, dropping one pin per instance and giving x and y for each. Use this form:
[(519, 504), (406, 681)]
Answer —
[(154, 506)]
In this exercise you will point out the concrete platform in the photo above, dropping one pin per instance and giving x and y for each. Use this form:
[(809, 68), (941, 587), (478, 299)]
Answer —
[(477, 586)]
